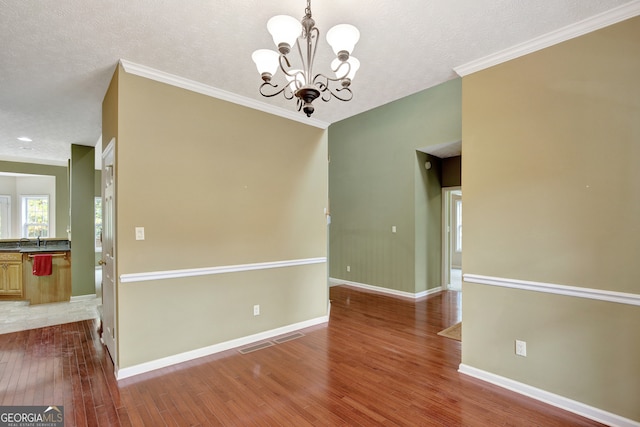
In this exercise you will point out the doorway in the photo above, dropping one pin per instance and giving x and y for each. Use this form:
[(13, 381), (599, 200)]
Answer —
[(452, 238)]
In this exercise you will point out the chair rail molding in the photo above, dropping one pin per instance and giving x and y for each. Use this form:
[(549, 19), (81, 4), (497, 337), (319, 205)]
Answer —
[(552, 288)]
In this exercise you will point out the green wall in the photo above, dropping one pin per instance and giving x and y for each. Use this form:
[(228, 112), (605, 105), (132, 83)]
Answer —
[(551, 190), (377, 180), (62, 188), (82, 172)]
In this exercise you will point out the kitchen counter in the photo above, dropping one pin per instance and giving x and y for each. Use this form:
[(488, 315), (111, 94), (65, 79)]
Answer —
[(31, 246), (19, 282)]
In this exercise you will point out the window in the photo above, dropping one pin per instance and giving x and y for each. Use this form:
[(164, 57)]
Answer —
[(458, 225), (98, 221), (35, 216), (5, 217)]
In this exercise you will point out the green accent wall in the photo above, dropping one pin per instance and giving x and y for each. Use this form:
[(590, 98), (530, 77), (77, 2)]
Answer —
[(377, 180), (62, 188), (97, 183), (551, 143), (82, 171)]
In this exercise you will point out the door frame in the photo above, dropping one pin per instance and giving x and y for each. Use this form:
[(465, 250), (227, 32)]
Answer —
[(109, 161), (446, 234)]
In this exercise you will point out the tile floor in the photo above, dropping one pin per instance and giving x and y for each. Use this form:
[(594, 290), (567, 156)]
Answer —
[(455, 279), (20, 315)]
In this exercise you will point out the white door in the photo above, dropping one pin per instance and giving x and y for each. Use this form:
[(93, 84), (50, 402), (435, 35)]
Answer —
[(452, 238), (109, 291)]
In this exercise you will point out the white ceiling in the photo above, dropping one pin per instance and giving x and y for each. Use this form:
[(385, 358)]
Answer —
[(57, 57)]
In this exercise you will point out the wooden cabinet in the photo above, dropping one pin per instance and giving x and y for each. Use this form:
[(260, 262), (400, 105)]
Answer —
[(11, 275), (53, 288)]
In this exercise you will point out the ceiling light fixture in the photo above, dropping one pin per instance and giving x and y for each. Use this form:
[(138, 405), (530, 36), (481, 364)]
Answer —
[(301, 82), (24, 139)]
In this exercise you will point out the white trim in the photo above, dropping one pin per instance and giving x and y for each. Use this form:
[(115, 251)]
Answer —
[(201, 88), (558, 401), (190, 272), (446, 223), (588, 25), (79, 298), (552, 288), (216, 348), (387, 291)]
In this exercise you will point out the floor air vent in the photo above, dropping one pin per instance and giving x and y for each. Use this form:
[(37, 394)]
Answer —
[(289, 337), (255, 347)]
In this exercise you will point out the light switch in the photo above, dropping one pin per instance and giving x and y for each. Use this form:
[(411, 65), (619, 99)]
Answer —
[(393, 228), (139, 233)]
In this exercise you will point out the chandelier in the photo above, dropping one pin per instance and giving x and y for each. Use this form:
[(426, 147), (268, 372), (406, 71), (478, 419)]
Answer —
[(301, 83)]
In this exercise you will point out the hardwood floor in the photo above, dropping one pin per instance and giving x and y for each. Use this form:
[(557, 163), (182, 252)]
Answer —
[(379, 361)]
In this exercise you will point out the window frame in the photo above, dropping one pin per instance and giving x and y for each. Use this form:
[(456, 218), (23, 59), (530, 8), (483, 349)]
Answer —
[(5, 214), (458, 208), (24, 214)]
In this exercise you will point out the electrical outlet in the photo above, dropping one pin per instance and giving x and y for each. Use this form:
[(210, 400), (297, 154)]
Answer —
[(521, 348), (393, 229), (256, 310), (348, 268)]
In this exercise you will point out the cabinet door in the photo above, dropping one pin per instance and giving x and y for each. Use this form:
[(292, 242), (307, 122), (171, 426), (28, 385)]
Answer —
[(4, 280), (14, 278)]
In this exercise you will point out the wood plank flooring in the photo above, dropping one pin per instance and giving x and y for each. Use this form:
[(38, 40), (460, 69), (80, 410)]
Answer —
[(379, 361)]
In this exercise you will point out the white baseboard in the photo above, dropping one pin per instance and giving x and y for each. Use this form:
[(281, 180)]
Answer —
[(387, 291), (142, 368), (82, 298), (547, 397)]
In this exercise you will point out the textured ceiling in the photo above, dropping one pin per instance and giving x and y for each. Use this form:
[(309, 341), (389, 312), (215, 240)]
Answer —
[(57, 57)]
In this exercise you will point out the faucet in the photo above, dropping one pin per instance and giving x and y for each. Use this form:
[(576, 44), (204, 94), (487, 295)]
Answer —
[(38, 241)]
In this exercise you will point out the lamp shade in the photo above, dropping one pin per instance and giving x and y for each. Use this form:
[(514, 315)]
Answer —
[(284, 29), (266, 61), (343, 37), (339, 69)]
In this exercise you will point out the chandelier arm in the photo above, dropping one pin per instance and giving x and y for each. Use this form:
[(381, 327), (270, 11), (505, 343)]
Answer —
[(326, 78), (288, 67), (327, 93), (311, 50), (283, 91), (305, 64), (287, 71), (348, 64), (349, 94)]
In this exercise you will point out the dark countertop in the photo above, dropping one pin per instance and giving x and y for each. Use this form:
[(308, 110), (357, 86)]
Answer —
[(31, 246)]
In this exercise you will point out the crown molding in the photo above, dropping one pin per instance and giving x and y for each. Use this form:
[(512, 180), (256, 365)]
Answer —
[(31, 160), (588, 25), (201, 88)]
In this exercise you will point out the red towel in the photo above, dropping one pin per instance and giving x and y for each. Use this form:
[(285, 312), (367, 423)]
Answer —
[(42, 265)]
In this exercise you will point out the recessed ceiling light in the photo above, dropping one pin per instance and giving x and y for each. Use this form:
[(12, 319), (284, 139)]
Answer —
[(24, 139)]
